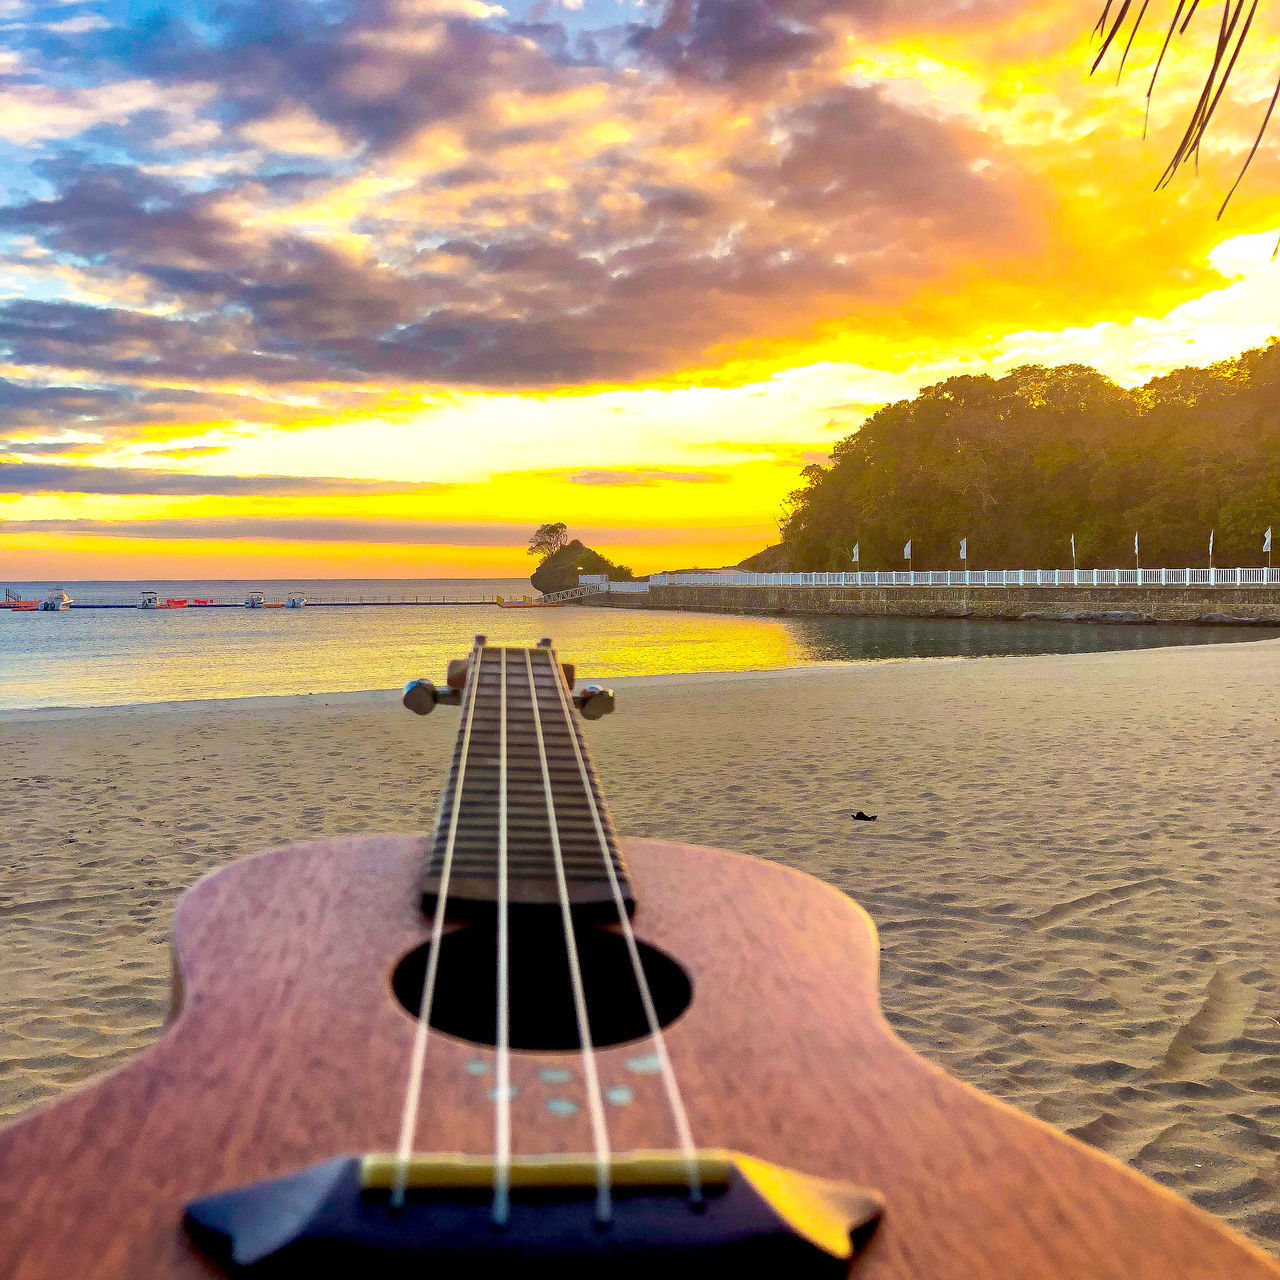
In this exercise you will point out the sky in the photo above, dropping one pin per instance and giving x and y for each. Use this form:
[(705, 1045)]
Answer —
[(326, 288)]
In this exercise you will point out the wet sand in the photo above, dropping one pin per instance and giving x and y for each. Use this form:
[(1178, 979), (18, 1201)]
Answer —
[(1074, 869)]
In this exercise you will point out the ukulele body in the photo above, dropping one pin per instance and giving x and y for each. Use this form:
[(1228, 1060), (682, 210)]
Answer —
[(287, 1047)]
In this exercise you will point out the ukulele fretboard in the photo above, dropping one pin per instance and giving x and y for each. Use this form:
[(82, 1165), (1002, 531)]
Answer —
[(536, 792)]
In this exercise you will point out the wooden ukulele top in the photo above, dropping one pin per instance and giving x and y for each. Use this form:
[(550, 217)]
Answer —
[(289, 1049)]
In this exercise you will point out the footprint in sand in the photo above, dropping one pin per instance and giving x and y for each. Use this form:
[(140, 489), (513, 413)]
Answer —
[(1199, 1047), (1195, 1054), (1093, 902)]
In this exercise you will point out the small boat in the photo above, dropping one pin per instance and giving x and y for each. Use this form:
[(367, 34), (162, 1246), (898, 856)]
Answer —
[(296, 600), (56, 600), (255, 600), (529, 603), (148, 600)]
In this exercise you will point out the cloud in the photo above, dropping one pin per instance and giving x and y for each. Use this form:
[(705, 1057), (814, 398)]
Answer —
[(725, 40), (296, 130), (646, 476), (24, 404), (44, 446), (731, 41), (378, 73), (23, 477), (33, 112), (663, 274), (415, 193), (183, 451), (398, 532), (851, 152), (111, 409), (78, 25), (403, 532), (119, 343)]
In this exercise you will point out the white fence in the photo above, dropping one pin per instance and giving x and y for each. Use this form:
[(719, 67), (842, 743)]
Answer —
[(955, 578)]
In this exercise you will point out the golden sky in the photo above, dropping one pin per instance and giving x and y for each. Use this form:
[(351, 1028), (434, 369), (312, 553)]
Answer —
[(371, 289)]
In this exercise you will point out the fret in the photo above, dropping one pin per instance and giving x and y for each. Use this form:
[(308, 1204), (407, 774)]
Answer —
[(530, 859)]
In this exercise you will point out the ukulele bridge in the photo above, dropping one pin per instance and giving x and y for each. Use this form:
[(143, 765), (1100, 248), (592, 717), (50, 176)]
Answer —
[(336, 1218)]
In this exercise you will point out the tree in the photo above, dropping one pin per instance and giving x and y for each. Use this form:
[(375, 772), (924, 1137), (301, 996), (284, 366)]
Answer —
[(547, 540), (1020, 463)]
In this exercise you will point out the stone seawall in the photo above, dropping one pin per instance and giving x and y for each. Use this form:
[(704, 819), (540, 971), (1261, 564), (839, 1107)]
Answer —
[(1241, 606)]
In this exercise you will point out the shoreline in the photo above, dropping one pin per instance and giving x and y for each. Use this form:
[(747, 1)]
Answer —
[(1073, 873), (380, 697), (355, 697)]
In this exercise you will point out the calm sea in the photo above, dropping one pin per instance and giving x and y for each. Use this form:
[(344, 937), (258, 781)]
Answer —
[(83, 657)]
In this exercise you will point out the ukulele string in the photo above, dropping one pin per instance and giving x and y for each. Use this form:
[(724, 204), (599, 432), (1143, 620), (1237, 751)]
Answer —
[(413, 1094), (502, 1094), (595, 1103), (684, 1135)]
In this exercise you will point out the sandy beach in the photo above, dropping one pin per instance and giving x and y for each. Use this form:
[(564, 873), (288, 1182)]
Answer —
[(1074, 869)]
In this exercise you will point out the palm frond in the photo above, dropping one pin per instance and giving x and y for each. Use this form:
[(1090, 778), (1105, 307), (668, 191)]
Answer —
[(1121, 19)]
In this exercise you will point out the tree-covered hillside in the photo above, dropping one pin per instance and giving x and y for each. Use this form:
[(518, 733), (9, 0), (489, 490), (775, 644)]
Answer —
[(1020, 463), (559, 569)]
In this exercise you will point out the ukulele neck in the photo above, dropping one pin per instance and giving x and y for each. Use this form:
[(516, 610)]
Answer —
[(522, 794)]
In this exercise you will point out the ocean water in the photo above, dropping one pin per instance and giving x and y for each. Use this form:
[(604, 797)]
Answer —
[(109, 657)]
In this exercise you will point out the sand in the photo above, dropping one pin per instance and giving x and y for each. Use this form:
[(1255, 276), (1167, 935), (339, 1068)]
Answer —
[(1074, 869)]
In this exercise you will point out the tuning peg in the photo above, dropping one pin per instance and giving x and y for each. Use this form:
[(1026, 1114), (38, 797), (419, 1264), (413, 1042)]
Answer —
[(594, 702), (420, 697)]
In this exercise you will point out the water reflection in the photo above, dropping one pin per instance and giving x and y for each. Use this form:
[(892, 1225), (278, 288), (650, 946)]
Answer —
[(870, 639), (93, 658)]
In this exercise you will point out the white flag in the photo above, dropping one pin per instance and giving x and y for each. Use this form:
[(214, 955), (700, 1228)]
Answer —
[(1073, 546), (1266, 539), (853, 555), (1135, 544), (906, 551), (1211, 542), (964, 548)]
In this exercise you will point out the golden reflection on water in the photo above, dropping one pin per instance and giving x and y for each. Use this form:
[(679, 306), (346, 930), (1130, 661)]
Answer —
[(108, 657), (86, 657)]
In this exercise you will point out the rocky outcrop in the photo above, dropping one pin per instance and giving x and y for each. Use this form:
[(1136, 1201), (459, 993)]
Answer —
[(559, 571)]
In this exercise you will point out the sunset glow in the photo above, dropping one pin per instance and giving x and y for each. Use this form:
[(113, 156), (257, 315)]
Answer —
[(371, 289)]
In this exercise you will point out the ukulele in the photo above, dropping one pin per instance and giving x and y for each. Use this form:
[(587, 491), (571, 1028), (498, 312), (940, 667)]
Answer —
[(520, 1046)]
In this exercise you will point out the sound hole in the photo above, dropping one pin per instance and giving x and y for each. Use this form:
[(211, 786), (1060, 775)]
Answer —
[(541, 997)]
